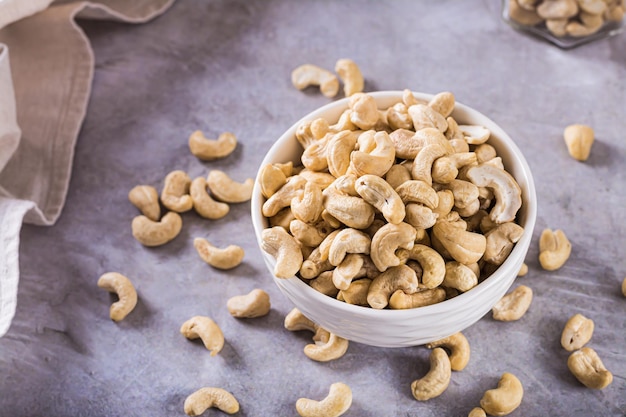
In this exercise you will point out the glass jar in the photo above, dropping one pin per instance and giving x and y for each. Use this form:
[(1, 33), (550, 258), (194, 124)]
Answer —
[(566, 23)]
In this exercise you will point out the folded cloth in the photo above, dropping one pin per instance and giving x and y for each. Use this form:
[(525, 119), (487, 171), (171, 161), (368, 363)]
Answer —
[(44, 90)]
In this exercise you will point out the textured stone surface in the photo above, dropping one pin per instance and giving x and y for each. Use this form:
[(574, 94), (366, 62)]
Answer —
[(225, 65)]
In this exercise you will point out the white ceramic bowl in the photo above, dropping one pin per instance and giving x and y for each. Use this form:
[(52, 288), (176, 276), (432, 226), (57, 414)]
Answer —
[(398, 328)]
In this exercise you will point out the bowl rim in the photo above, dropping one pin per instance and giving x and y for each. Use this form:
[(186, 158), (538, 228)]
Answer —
[(519, 251)]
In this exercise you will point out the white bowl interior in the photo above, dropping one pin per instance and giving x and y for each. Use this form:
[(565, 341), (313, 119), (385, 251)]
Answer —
[(397, 328)]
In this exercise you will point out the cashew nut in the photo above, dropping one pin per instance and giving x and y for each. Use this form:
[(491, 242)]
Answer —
[(387, 240), (416, 191), (205, 329), (398, 117), (283, 218), (310, 131), (296, 321), (226, 258), (348, 241), (446, 168), (270, 179), (522, 15), (463, 246), (308, 205), (459, 350), (337, 402), (588, 368), (475, 135), (424, 117), (554, 249), (175, 194), (381, 195), (146, 199), (506, 190), (502, 400), (310, 234), (283, 196), (513, 305), (500, 242), (419, 216), (397, 175), (395, 278), (579, 139), (322, 179), (523, 270), (423, 163), (151, 233), (477, 411), (323, 283), (459, 276), (285, 249), (308, 74), (436, 380), (351, 211), (207, 397), (203, 203), (364, 112), (347, 270), (443, 103), (433, 265), (315, 155), (577, 332), (376, 161), (356, 293), (120, 285), (254, 304), (351, 76), (227, 190), (339, 148), (210, 149), (330, 346), (400, 300)]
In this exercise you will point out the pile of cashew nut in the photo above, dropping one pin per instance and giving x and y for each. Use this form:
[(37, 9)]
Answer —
[(391, 208), (575, 18)]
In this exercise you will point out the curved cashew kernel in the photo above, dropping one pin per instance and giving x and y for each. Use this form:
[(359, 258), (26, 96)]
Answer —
[(339, 148), (513, 305), (400, 300), (503, 400), (475, 135), (364, 113), (407, 143), (506, 190), (334, 348), (387, 240), (397, 175), (416, 191), (424, 116), (207, 397), (459, 276), (335, 404), (577, 332), (209, 149), (395, 278), (175, 194), (465, 193), (310, 131), (420, 217), (351, 76), (310, 234), (151, 233), (381, 195), (376, 161), (589, 25), (308, 206), (579, 139), (463, 246), (348, 241), (283, 196), (554, 249), (558, 27), (324, 283), (423, 162), (296, 321), (285, 249), (356, 293), (588, 368), (433, 265), (146, 199), (203, 203), (459, 350), (443, 103), (227, 190), (435, 382), (523, 16), (446, 168), (308, 74), (398, 117), (347, 270), (500, 242), (352, 211), (226, 258), (254, 304), (445, 203), (477, 411), (207, 330), (121, 285), (523, 270), (270, 178)]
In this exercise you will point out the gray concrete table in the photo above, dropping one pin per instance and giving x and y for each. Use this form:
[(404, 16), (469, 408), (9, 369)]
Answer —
[(225, 65)]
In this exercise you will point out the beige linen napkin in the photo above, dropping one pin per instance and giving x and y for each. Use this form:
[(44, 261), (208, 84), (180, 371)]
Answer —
[(46, 70)]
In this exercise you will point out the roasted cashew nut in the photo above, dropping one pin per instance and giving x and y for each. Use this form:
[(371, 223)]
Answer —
[(364, 112), (339, 149), (348, 241), (579, 139), (283, 196), (227, 190), (146, 199), (226, 258), (397, 175), (308, 206), (210, 149), (381, 195), (310, 131), (424, 116), (395, 278), (347, 270), (352, 211), (577, 332), (443, 103), (506, 190), (459, 276), (285, 249), (175, 194), (387, 240), (337, 402), (151, 233), (356, 293), (271, 177), (513, 305), (207, 397), (502, 400), (523, 270), (500, 242), (377, 160), (419, 216), (203, 203), (416, 191), (435, 382), (205, 329), (475, 135), (315, 156), (254, 304), (459, 350), (310, 234), (397, 117), (554, 249), (400, 300), (308, 74), (120, 285), (477, 411), (423, 162), (588, 368), (463, 246), (351, 76), (327, 347)]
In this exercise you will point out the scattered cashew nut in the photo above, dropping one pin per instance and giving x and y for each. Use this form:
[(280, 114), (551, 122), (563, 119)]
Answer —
[(504, 399), (577, 332), (254, 304), (285, 249), (588, 368), (351, 76), (151, 233), (554, 249), (146, 199), (203, 203), (579, 139), (227, 190), (459, 350), (207, 397), (121, 285), (435, 382), (337, 402), (308, 74), (207, 330), (226, 258), (513, 305), (175, 194), (210, 149)]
